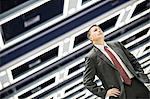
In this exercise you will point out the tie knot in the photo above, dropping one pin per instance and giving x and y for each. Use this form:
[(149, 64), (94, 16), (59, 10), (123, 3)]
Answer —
[(105, 47)]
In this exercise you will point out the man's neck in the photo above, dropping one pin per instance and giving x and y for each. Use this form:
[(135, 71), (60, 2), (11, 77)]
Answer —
[(99, 43)]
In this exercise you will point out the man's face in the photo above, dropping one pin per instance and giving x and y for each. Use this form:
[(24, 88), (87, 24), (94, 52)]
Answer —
[(96, 33)]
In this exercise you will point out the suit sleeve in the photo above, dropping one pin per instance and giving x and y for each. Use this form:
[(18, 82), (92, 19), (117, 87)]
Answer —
[(89, 76), (136, 65)]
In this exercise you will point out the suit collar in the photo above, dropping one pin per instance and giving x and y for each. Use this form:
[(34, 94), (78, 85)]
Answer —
[(115, 49), (103, 57), (119, 52)]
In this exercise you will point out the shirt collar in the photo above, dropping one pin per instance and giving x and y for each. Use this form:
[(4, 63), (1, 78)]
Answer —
[(101, 47)]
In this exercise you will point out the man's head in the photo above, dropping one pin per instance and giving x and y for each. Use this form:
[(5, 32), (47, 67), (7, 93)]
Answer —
[(95, 34)]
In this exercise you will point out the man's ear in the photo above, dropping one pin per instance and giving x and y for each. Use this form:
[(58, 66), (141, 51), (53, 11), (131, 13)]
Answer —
[(90, 38)]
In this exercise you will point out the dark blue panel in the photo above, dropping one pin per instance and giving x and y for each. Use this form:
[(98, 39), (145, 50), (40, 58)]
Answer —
[(31, 19), (6, 5)]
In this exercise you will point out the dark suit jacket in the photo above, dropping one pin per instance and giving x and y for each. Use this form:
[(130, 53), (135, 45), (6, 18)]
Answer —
[(96, 63)]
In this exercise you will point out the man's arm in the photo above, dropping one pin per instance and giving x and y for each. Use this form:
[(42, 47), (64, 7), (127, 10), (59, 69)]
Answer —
[(89, 76), (136, 65)]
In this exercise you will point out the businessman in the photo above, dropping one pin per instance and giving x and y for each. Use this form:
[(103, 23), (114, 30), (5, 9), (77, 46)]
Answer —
[(119, 71)]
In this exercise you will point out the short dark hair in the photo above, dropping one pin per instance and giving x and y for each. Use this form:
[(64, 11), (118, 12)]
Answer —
[(88, 32)]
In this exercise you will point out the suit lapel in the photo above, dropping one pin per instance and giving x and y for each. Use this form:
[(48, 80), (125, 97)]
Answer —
[(120, 53), (103, 57), (117, 51)]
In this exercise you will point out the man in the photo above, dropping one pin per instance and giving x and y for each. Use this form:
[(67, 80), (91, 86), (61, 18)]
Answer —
[(118, 70)]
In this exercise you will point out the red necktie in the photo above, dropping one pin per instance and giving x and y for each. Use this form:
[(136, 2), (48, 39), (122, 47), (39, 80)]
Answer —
[(122, 72)]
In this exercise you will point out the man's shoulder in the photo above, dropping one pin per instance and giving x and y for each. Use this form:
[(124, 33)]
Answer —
[(91, 53), (113, 42)]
